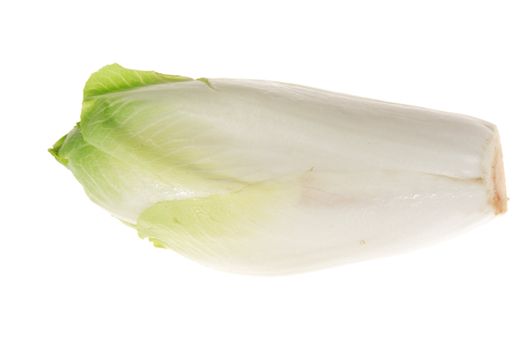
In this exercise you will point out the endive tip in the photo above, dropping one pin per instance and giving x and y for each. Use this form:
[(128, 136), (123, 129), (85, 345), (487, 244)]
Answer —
[(55, 150)]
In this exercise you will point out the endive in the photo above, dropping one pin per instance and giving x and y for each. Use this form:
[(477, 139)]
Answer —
[(266, 177)]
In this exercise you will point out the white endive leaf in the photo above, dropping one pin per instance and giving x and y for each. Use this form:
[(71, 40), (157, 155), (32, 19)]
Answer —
[(266, 177)]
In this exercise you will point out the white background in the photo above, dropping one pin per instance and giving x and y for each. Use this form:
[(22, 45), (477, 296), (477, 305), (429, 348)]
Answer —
[(73, 277)]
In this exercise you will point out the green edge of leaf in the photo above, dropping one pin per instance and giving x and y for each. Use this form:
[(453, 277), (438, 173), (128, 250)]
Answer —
[(115, 78)]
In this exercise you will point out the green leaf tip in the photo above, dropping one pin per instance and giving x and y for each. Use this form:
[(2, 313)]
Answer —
[(55, 150), (207, 82), (115, 78)]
